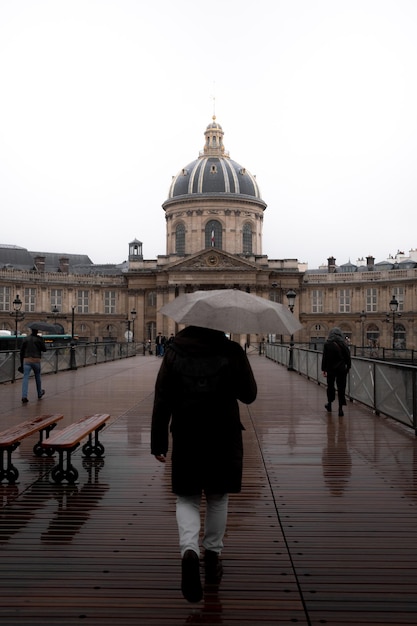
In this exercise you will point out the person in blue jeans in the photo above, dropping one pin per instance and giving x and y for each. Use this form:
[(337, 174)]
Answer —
[(30, 358)]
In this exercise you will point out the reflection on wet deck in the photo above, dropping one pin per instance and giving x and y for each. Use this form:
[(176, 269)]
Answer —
[(324, 531)]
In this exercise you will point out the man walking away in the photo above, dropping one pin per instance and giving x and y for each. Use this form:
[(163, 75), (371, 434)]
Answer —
[(30, 358)]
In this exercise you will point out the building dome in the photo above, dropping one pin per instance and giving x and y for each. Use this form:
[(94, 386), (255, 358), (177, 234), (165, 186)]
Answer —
[(214, 202), (213, 172)]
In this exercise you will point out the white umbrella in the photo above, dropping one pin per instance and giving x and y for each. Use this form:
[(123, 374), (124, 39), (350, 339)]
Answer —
[(232, 311)]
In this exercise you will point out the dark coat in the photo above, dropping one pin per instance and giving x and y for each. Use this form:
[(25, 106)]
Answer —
[(336, 357), (207, 449), (32, 347)]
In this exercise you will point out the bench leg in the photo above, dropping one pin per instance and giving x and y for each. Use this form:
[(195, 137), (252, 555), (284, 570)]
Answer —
[(38, 449), (64, 470), (93, 447), (10, 472)]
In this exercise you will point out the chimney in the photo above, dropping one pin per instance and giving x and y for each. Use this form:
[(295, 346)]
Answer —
[(40, 263), (64, 265), (370, 262), (331, 265)]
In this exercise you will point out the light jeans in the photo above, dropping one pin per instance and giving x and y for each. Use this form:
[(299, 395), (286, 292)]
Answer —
[(189, 522), (27, 367)]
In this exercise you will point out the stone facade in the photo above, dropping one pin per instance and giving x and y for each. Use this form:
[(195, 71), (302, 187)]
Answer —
[(214, 217)]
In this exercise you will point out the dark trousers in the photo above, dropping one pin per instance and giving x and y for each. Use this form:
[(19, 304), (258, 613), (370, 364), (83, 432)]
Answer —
[(340, 379)]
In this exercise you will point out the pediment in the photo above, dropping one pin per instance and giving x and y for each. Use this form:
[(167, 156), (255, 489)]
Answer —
[(212, 259)]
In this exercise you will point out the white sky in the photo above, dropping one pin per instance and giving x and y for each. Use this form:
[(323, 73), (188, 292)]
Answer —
[(103, 101)]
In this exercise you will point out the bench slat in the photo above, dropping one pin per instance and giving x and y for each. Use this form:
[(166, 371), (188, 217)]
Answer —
[(74, 433), (25, 429)]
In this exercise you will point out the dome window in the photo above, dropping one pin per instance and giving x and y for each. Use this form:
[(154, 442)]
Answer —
[(247, 238), (180, 239), (184, 172), (213, 234), (242, 171), (213, 169)]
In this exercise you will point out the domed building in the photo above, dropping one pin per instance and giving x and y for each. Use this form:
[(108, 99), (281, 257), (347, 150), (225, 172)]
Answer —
[(214, 202), (214, 218)]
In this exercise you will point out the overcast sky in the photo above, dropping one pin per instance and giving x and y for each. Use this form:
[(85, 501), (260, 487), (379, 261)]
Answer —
[(103, 101)]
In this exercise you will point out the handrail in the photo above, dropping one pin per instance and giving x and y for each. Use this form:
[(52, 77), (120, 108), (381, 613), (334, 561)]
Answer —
[(387, 388), (63, 358)]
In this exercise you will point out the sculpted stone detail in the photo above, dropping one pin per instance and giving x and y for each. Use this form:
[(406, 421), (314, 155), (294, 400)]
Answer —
[(214, 260)]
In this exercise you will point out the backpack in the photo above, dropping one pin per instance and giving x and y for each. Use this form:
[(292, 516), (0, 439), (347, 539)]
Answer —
[(202, 377)]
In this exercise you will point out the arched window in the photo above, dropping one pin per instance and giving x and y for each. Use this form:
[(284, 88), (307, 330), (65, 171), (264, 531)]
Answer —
[(213, 234), (247, 238), (180, 239), (399, 337), (372, 335)]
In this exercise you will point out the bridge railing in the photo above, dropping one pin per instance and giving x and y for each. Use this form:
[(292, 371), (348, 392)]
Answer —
[(386, 388), (67, 358)]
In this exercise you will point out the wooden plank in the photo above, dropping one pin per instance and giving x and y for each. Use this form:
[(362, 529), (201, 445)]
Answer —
[(29, 427), (76, 432)]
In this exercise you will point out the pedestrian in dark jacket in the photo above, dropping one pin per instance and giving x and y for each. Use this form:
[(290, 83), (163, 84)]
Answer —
[(336, 363), (30, 358), (201, 378)]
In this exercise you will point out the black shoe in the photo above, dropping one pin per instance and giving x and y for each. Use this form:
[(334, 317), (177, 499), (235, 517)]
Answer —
[(190, 577), (42, 394), (328, 407), (25, 400), (341, 414), (213, 568)]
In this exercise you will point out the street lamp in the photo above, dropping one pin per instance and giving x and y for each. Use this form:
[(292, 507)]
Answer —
[(291, 296), (133, 315), (363, 318), (73, 361), (17, 314), (393, 305), (55, 312)]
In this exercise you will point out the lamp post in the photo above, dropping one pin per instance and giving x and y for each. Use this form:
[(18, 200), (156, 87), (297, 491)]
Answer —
[(55, 312), (363, 318), (393, 305), (291, 296), (72, 322), (73, 362), (17, 314), (133, 315)]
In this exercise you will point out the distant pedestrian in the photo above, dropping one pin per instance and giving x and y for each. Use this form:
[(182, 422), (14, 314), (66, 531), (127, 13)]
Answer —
[(200, 380), (30, 359), (160, 344), (335, 365)]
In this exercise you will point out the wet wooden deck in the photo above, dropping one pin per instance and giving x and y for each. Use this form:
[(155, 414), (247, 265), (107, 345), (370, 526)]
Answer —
[(324, 531)]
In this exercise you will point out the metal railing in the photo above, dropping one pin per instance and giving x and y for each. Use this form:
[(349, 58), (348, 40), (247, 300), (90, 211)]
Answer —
[(67, 358), (385, 387)]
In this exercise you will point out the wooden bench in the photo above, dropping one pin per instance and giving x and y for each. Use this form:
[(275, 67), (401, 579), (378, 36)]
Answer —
[(68, 439), (11, 437)]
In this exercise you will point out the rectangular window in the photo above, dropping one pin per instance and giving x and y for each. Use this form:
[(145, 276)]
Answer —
[(371, 300), (317, 301), (29, 299), (110, 302), (82, 301), (56, 299), (344, 301), (5, 299), (398, 292)]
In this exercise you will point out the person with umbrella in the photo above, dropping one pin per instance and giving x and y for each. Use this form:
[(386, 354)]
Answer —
[(200, 380), (30, 359)]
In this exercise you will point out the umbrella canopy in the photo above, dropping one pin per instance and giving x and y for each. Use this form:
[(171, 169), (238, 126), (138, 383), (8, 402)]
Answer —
[(45, 327), (232, 311)]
